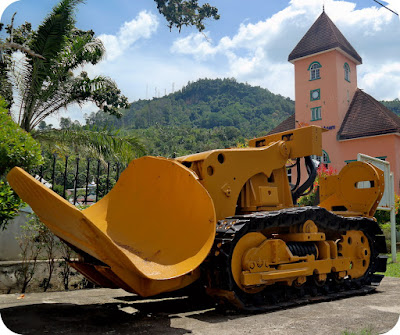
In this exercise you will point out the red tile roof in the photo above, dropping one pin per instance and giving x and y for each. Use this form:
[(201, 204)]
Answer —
[(287, 124), (367, 117), (322, 36)]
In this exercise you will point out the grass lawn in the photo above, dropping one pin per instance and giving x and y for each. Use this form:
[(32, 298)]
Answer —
[(393, 269), (361, 332)]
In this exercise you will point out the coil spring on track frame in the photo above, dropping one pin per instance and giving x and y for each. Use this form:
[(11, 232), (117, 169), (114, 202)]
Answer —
[(303, 248)]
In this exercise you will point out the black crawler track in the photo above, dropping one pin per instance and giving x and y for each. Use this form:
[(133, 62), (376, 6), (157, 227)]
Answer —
[(222, 286)]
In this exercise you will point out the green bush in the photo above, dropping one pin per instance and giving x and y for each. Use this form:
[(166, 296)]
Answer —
[(17, 147), (384, 216), (10, 203)]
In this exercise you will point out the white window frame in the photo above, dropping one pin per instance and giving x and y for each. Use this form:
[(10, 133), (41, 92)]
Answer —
[(346, 72), (314, 71), (289, 174), (316, 114)]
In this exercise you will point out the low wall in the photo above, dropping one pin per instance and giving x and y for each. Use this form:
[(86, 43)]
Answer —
[(10, 262), (9, 278), (9, 248)]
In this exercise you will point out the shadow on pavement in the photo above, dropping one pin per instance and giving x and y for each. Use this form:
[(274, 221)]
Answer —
[(85, 319), (128, 315)]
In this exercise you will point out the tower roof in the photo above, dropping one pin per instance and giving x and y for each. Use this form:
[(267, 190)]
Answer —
[(367, 117), (322, 36)]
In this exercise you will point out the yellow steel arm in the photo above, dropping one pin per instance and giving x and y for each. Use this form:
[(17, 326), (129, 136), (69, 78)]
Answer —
[(301, 142), (257, 173)]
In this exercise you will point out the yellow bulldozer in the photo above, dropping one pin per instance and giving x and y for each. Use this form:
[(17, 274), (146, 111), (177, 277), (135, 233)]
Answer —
[(228, 219)]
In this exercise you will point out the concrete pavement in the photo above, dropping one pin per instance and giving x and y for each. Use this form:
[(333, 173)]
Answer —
[(106, 311)]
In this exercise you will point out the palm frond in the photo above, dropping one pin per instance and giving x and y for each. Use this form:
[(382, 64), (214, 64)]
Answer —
[(102, 144)]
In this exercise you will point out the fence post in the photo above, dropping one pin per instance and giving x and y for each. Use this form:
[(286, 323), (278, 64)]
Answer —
[(97, 179), (117, 171), (65, 175), (53, 173), (108, 176), (87, 180), (76, 178)]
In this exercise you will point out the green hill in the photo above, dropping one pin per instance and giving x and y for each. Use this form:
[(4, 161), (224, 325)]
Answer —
[(393, 105), (204, 115)]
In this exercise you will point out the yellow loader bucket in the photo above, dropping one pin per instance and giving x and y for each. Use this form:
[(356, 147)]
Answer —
[(152, 230)]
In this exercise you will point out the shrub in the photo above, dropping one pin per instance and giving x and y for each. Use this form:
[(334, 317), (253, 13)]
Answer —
[(384, 216), (28, 242), (17, 147), (310, 199), (10, 204)]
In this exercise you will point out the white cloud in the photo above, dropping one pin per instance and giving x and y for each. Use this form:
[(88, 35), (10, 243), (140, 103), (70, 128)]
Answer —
[(194, 44), (383, 80), (145, 64), (143, 26), (257, 52)]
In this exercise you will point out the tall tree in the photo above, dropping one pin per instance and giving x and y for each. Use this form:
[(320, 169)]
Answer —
[(47, 84)]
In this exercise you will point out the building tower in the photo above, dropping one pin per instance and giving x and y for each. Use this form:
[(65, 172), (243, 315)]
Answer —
[(327, 95), (325, 79)]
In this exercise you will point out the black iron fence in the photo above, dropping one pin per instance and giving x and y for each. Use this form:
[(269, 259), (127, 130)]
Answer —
[(80, 181)]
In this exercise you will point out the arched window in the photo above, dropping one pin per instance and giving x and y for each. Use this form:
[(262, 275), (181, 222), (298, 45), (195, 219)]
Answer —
[(324, 159), (346, 72), (314, 70)]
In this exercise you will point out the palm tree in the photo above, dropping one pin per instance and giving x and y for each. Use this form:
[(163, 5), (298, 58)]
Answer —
[(47, 84), (103, 144)]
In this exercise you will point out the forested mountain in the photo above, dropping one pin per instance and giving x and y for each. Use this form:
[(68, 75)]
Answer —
[(207, 104), (204, 115)]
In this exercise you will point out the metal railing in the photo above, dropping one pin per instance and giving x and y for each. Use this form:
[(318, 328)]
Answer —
[(80, 181)]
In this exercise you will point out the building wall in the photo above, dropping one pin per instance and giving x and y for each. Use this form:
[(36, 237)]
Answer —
[(336, 94), (376, 146), (345, 89), (385, 146)]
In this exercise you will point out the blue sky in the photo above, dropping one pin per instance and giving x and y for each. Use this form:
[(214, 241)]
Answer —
[(250, 42)]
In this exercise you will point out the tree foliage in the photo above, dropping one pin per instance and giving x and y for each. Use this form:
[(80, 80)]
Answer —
[(206, 114), (103, 144), (393, 105), (17, 148), (179, 13), (10, 204), (47, 84)]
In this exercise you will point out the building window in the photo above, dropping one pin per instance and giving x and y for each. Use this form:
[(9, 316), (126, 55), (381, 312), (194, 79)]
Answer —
[(315, 95), (316, 114), (314, 70), (289, 175), (324, 159), (347, 72)]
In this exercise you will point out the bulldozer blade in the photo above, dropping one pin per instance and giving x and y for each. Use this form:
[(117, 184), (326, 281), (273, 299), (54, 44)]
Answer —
[(153, 229)]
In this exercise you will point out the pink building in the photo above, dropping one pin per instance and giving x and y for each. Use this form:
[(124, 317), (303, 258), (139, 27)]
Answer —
[(326, 95)]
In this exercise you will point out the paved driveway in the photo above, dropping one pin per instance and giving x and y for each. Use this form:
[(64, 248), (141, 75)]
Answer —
[(106, 311)]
